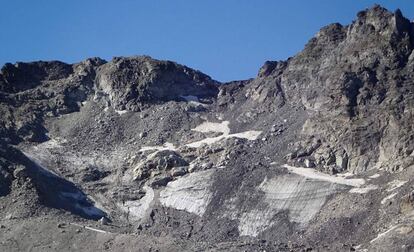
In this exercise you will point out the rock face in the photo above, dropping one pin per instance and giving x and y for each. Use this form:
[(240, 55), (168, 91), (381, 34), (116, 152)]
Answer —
[(316, 152), (356, 83), (129, 83)]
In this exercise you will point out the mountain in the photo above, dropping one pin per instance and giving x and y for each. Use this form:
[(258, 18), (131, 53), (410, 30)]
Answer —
[(315, 153)]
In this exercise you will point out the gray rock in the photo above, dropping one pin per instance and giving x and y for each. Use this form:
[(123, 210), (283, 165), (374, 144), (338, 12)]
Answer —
[(161, 181), (178, 171), (130, 83)]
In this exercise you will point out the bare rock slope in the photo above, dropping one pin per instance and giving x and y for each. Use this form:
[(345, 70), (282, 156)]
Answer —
[(315, 153)]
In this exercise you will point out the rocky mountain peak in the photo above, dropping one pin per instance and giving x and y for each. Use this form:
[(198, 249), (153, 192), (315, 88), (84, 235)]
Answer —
[(130, 82), (383, 21), (22, 76)]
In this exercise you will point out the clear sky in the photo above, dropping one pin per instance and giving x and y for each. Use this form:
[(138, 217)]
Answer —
[(227, 39)]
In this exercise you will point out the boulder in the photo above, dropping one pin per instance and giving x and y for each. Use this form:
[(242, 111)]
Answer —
[(159, 161)]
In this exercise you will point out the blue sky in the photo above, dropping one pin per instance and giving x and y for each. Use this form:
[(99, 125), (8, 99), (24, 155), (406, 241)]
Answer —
[(227, 39)]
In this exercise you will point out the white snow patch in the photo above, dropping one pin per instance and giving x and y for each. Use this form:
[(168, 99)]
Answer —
[(91, 228), (375, 176), (121, 112), (205, 141), (193, 100), (379, 236), (383, 201), (314, 174), (137, 209), (300, 197), (395, 184), (223, 128), (190, 193), (363, 190), (249, 135), (345, 175), (190, 98), (206, 127), (165, 146)]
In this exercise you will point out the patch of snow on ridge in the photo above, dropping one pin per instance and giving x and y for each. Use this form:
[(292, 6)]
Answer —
[(375, 176), (223, 128), (384, 200), (190, 98), (165, 146), (395, 184), (317, 175), (121, 112), (206, 127), (381, 235), (193, 100), (249, 135), (363, 190)]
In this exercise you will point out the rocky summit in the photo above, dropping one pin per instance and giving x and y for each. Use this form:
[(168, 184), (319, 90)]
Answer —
[(136, 154)]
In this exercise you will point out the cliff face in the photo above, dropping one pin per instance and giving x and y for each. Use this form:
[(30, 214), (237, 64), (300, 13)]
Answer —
[(356, 83), (315, 152)]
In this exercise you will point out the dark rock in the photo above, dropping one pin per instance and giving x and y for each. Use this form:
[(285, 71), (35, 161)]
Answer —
[(93, 174), (178, 171), (161, 181)]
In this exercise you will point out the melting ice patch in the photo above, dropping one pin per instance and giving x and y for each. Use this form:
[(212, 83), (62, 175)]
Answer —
[(165, 146), (384, 200), (206, 127), (314, 174), (223, 128), (395, 185), (301, 194), (190, 98), (363, 190), (121, 112), (190, 193), (358, 184), (376, 175), (300, 197)]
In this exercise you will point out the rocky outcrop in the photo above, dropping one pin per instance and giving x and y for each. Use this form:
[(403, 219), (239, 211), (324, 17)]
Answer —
[(158, 163), (31, 92), (130, 83), (355, 83)]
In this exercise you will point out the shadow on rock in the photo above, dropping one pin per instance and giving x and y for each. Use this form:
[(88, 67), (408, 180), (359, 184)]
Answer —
[(56, 192)]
